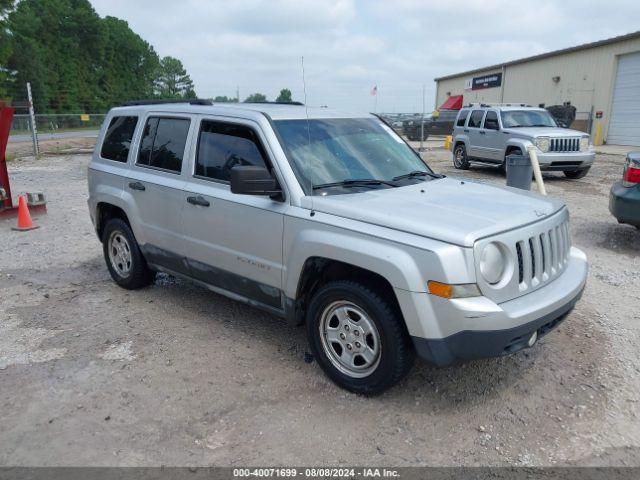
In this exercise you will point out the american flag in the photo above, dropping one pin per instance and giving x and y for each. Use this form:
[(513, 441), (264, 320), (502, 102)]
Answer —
[(374, 91)]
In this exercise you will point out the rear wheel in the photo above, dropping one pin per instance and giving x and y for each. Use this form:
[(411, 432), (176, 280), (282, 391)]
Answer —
[(125, 261), (460, 160), (358, 337), (576, 174)]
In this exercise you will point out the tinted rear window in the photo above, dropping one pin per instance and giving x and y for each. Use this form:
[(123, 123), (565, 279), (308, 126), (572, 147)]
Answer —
[(462, 118), (117, 140), (476, 118), (163, 143)]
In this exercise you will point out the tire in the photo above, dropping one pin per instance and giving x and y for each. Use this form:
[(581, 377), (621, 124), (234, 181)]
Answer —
[(576, 174), (125, 261), (353, 311), (460, 159)]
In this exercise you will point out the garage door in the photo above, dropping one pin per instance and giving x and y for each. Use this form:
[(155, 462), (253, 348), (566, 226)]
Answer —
[(624, 127)]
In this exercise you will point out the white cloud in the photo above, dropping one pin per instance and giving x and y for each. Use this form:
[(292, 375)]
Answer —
[(350, 45)]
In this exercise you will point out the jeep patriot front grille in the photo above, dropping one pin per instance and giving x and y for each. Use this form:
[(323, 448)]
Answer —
[(565, 145), (543, 256)]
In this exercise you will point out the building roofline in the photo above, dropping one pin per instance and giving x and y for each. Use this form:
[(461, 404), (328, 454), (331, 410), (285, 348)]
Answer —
[(584, 46)]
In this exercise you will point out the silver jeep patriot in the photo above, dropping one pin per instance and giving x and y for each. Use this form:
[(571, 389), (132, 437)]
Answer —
[(332, 221), (487, 134)]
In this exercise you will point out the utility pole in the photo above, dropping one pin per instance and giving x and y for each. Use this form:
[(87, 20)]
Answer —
[(422, 120), (238, 93), (32, 117)]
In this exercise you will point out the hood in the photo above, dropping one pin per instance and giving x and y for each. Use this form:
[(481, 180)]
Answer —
[(555, 132), (451, 210)]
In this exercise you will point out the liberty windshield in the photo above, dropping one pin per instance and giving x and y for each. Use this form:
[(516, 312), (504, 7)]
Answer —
[(527, 118), (330, 151)]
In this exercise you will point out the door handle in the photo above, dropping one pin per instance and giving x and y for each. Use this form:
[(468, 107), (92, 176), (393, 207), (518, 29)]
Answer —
[(199, 200), (482, 132), (466, 130), (137, 186)]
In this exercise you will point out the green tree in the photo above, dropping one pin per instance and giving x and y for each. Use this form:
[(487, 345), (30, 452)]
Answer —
[(285, 96), (78, 62), (256, 98), (5, 46), (172, 80), (58, 46), (225, 99), (129, 65)]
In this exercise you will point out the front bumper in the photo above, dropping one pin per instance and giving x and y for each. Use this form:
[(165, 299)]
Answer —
[(556, 161), (476, 327), (624, 203)]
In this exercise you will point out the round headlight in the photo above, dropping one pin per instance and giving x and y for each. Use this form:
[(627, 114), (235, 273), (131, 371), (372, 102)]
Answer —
[(543, 143), (584, 144), (492, 263)]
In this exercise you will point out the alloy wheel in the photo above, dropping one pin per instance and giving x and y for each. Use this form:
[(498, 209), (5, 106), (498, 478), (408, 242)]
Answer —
[(350, 339)]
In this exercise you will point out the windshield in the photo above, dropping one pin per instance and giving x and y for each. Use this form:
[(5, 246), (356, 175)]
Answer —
[(527, 118), (336, 150)]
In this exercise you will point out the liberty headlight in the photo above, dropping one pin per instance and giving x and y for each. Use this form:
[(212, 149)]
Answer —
[(584, 144), (543, 143)]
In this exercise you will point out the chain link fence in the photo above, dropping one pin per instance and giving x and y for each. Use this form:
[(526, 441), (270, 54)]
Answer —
[(57, 123)]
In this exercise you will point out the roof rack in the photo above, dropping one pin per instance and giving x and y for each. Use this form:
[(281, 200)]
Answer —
[(193, 101), (276, 103), (511, 104)]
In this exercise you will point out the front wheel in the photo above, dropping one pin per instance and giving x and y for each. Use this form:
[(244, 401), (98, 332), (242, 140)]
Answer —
[(460, 160), (358, 337), (576, 174)]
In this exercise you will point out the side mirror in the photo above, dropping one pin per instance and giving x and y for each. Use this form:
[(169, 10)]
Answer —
[(250, 180)]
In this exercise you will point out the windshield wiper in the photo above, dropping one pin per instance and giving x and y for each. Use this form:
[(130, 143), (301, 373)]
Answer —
[(418, 173), (415, 173), (356, 182)]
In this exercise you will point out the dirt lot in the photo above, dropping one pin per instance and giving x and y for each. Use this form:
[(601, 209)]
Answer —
[(91, 374)]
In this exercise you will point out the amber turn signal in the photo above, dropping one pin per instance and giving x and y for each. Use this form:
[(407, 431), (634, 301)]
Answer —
[(446, 290)]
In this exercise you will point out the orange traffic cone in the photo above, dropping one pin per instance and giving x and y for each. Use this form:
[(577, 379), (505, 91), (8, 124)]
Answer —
[(24, 218)]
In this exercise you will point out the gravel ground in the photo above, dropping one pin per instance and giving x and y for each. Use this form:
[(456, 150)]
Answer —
[(91, 374)]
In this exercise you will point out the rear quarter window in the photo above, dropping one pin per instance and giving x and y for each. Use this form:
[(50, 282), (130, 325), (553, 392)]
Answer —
[(117, 140)]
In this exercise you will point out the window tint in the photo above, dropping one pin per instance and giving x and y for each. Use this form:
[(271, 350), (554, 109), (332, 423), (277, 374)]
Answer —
[(163, 143), (117, 140), (462, 118), (222, 146), (476, 118), (491, 121)]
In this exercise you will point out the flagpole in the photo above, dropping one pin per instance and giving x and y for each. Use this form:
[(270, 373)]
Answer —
[(422, 121), (375, 100)]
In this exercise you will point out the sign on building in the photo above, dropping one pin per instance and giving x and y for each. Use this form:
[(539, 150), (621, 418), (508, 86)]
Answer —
[(486, 81)]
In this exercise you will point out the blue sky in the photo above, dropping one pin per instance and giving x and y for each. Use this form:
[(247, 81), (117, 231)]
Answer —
[(351, 45)]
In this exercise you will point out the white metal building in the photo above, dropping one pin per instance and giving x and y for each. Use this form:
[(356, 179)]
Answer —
[(601, 79)]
